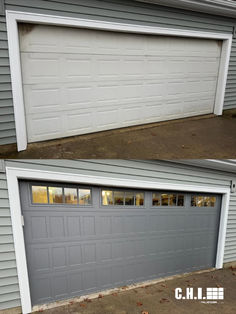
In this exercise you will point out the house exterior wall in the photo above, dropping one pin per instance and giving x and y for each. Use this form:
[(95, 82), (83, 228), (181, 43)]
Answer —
[(165, 172), (115, 11)]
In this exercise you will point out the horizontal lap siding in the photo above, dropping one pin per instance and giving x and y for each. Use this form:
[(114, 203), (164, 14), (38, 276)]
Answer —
[(230, 247), (230, 96), (117, 11), (7, 124), (140, 170), (9, 288)]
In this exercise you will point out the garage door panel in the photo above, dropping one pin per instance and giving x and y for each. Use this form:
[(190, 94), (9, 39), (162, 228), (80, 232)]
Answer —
[(43, 126), (75, 40), (93, 80)]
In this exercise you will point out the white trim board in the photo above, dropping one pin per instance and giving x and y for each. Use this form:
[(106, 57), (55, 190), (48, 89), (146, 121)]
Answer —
[(14, 174), (13, 17)]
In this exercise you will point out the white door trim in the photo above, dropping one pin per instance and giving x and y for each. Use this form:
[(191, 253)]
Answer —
[(14, 174), (13, 17)]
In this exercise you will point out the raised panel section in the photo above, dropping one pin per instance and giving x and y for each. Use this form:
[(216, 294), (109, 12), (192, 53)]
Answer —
[(89, 80)]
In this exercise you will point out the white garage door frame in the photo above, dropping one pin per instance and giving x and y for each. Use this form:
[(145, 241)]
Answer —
[(13, 17), (14, 174)]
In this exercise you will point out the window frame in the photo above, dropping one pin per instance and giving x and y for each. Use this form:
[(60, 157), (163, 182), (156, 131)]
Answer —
[(58, 185), (168, 193), (124, 206), (202, 195)]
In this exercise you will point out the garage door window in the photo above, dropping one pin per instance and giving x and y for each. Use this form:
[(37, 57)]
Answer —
[(84, 196), (167, 199), (55, 195), (39, 194), (71, 196), (122, 198), (60, 195), (203, 201)]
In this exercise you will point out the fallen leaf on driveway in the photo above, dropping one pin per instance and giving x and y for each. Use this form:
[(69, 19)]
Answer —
[(218, 286), (82, 305), (145, 312), (139, 303), (163, 300)]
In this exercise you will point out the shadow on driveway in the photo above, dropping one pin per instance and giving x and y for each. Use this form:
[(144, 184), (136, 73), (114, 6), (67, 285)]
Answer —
[(200, 137)]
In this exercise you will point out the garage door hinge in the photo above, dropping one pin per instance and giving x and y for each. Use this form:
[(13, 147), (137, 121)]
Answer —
[(22, 220)]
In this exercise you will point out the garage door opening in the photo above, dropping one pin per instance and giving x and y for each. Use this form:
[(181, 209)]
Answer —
[(78, 81), (83, 239)]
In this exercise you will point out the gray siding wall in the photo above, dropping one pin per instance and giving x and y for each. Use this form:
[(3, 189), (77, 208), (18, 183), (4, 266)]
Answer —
[(9, 289), (140, 170), (114, 10)]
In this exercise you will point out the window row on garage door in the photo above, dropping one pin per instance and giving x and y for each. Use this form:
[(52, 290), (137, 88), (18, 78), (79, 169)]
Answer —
[(82, 196)]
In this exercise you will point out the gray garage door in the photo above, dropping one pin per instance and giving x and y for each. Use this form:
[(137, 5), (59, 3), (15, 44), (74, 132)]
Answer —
[(83, 239)]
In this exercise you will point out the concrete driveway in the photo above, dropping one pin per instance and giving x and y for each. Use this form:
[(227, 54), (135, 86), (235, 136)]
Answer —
[(160, 298), (200, 137)]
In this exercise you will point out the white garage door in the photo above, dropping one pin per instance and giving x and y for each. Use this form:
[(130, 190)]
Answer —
[(79, 81)]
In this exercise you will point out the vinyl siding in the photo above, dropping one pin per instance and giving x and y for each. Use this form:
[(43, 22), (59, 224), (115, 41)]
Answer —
[(230, 96), (7, 124), (117, 11), (9, 289), (139, 170), (230, 247)]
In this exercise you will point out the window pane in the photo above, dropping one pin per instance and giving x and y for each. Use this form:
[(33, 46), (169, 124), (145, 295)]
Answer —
[(172, 201), (194, 201), (204, 201), (55, 195), (39, 194), (212, 201), (209, 201), (164, 199), (139, 199), (200, 201), (71, 196), (84, 196), (118, 198), (129, 198), (107, 198), (156, 199), (181, 200)]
